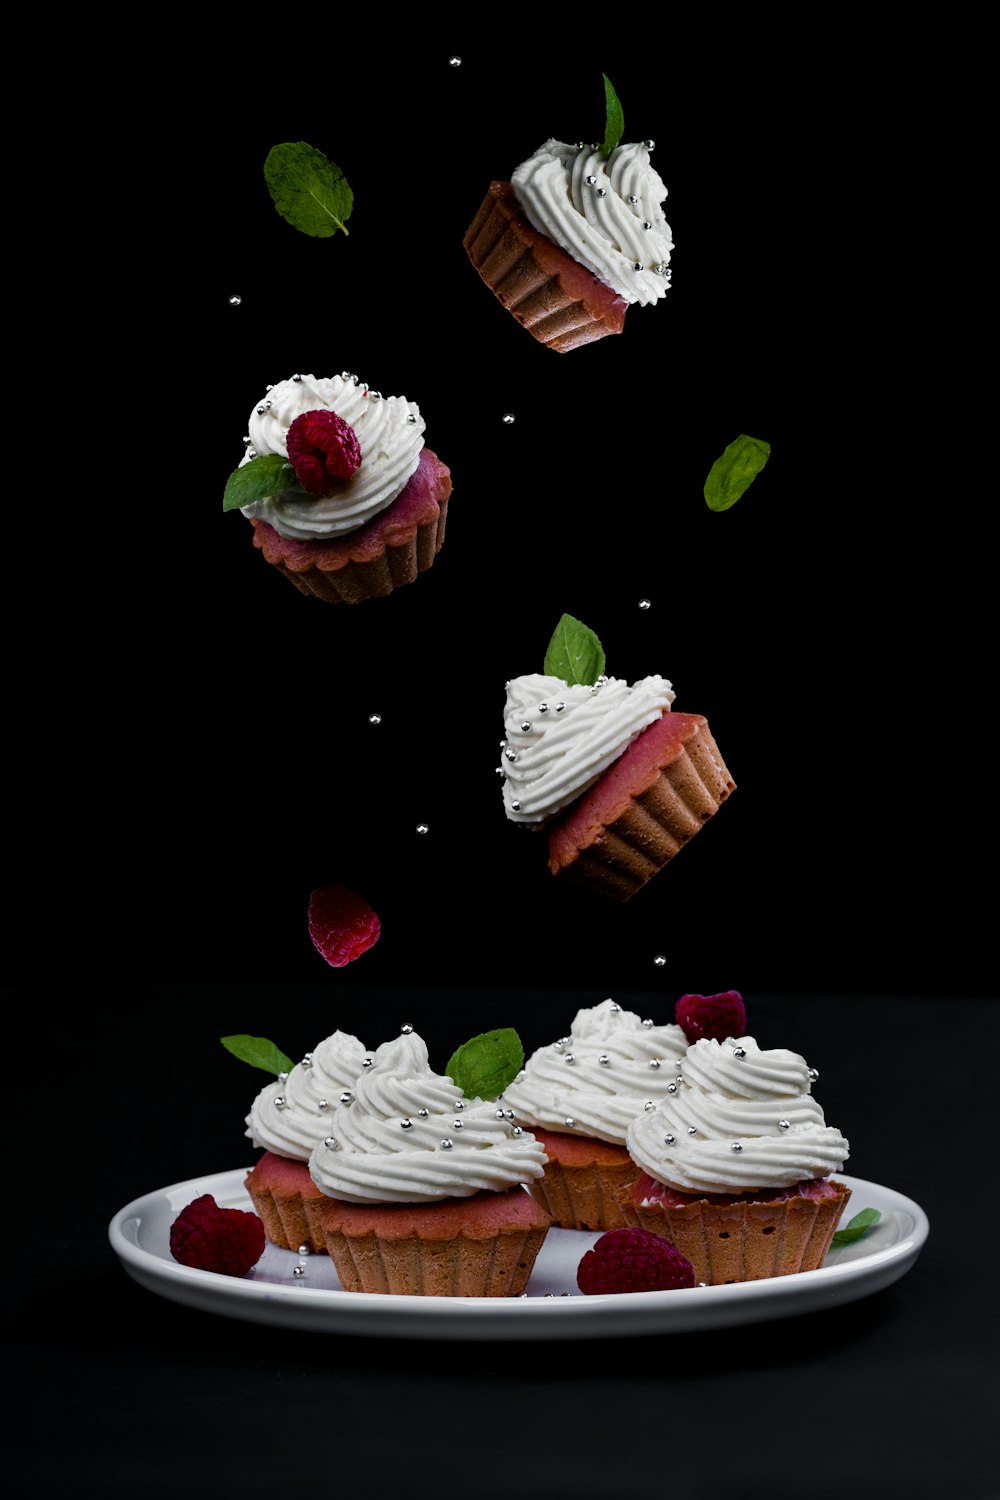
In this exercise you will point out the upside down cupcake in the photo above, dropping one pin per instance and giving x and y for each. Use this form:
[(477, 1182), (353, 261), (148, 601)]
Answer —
[(736, 1165), (287, 1119), (344, 498), (424, 1186), (576, 237), (617, 780), (579, 1094)]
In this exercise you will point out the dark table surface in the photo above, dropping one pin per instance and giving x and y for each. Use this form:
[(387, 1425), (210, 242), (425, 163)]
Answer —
[(120, 1391)]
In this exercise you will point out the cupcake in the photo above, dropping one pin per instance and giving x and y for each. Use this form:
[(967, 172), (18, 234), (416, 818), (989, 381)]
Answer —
[(580, 1094), (424, 1186), (735, 1166), (343, 497), (619, 782), (574, 238), (287, 1119)]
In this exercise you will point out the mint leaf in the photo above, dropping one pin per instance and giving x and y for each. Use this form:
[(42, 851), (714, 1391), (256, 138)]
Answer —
[(483, 1066), (614, 126), (738, 467), (267, 475), (574, 653), (309, 190), (857, 1226), (258, 1052)]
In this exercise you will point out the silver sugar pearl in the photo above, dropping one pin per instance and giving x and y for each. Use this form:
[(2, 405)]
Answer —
[(459, 1103), (784, 1125), (235, 300), (525, 725), (347, 1097), (455, 62), (739, 1052), (515, 806), (422, 828), (654, 1062), (322, 1104), (282, 1077), (508, 418), (648, 1022), (671, 1088), (368, 1062), (649, 1106), (660, 960), (304, 1250), (406, 1124), (569, 1058), (374, 718), (591, 179), (632, 199), (279, 1102), (569, 1121), (261, 410), (411, 417), (649, 145), (508, 1114), (297, 379), (692, 1130), (406, 1029), (510, 754), (604, 1060), (298, 1270), (331, 1143), (246, 441), (637, 265), (560, 707), (500, 1114), (516, 1130), (736, 1146), (543, 708), (446, 1145), (602, 193), (456, 1124), (269, 388), (646, 224), (668, 1140), (645, 604), (813, 1075), (423, 1113), (558, 1046)]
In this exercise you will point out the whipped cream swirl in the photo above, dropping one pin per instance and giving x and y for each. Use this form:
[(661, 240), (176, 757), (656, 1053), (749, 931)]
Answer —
[(411, 1136), (558, 739), (390, 433), (603, 211), (742, 1118), (290, 1116), (596, 1080)]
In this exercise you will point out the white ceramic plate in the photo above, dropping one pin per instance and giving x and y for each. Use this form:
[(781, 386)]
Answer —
[(553, 1308)]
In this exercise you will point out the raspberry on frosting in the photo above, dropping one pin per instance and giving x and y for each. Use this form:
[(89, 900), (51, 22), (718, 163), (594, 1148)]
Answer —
[(633, 1260), (322, 449), (226, 1240), (714, 1016), (342, 925)]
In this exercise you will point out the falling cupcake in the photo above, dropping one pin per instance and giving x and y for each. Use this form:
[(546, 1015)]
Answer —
[(617, 780), (576, 237), (344, 498)]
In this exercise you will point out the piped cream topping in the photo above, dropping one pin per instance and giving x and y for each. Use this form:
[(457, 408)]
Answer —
[(290, 1116)]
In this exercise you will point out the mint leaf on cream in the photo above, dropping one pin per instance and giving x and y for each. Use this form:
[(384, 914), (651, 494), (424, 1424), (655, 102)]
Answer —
[(574, 653), (614, 126), (258, 1052), (735, 471), (484, 1066), (857, 1226), (267, 475), (309, 190)]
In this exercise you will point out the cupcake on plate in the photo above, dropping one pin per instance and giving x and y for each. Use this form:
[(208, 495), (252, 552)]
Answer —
[(579, 1094), (344, 498), (287, 1119), (736, 1165), (424, 1186), (576, 237), (617, 780)]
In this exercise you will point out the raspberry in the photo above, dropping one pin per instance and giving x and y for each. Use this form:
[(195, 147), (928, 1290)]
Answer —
[(633, 1260), (322, 448), (225, 1240), (341, 925), (716, 1016)]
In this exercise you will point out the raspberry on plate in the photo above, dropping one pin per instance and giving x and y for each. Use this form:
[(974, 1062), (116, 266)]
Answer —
[(342, 926), (226, 1240), (714, 1016), (633, 1260)]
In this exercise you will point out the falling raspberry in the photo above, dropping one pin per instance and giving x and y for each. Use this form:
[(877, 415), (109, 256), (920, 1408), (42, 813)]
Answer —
[(716, 1016), (341, 925), (633, 1260), (322, 448), (211, 1238)]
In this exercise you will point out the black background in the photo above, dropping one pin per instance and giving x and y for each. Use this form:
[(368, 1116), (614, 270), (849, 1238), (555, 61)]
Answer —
[(194, 755)]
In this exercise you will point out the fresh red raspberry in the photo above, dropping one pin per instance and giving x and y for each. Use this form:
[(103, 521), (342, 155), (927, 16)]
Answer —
[(322, 448), (225, 1240), (341, 925), (633, 1260), (716, 1016)]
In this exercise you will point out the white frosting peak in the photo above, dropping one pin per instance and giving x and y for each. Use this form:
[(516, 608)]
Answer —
[(288, 1117), (603, 211)]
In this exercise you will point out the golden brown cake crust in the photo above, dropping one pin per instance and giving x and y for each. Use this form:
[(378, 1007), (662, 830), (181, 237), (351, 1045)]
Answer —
[(583, 1177)]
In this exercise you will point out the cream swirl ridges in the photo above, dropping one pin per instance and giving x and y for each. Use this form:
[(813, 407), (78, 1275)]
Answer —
[(573, 734), (289, 1117), (411, 1136), (742, 1118), (613, 225), (596, 1080), (390, 434)]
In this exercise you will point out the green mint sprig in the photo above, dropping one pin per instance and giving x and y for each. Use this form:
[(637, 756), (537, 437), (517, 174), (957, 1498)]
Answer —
[(258, 1052), (309, 190), (857, 1226), (484, 1066), (267, 475), (574, 653), (614, 125), (735, 471)]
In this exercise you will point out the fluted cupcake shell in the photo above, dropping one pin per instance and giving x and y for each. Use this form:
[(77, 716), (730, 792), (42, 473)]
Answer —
[(557, 299), (582, 1180), (287, 1202), (483, 1246), (741, 1241), (383, 555), (644, 809)]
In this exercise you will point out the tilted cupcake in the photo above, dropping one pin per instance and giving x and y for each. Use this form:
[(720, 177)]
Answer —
[(580, 1094), (617, 779), (287, 1119), (736, 1165), (344, 498), (425, 1185), (576, 237)]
